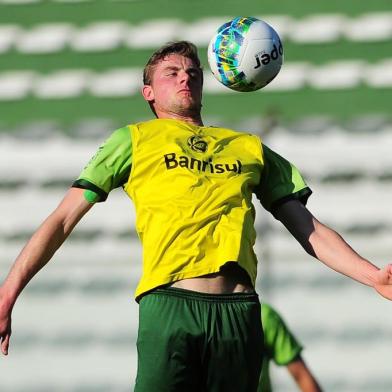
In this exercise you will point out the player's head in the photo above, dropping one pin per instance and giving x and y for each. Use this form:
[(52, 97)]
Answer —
[(173, 79)]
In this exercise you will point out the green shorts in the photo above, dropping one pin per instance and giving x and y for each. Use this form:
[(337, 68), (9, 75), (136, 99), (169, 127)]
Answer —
[(190, 341)]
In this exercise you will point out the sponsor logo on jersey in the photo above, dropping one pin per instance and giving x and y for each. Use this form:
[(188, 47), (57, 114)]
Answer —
[(197, 144), (172, 161), (265, 58)]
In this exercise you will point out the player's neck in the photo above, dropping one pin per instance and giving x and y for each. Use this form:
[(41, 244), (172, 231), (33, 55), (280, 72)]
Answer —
[(194, 119)]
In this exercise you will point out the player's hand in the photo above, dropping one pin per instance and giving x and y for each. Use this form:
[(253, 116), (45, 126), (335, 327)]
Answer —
[(5, 327), (383, 284)]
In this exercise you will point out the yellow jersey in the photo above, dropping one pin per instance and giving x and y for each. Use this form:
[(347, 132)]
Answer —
[(192, 188)]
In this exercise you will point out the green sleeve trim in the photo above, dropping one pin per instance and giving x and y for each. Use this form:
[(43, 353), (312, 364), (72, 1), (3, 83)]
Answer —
[(84, 184), (91, 196)]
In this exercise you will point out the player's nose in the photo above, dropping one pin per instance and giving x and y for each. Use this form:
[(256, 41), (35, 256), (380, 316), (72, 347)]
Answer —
[(184, 77)]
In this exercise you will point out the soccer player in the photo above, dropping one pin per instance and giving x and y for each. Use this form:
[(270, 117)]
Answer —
[(192, 185), (282, 347)]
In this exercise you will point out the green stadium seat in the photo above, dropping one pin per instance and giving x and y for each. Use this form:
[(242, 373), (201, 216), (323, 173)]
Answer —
[(15, 85), (62, 84), (379, 75), (99, 36), (44, 38), (116, 83), (370, 27), (153, 33), (8, 35), (337, 75), (317, 28)]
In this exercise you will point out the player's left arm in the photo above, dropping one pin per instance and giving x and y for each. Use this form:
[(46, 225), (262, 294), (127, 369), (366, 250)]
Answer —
[(303, 376), (330, 248)]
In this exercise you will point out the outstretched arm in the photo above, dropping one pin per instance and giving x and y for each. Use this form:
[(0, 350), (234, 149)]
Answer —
[(37, 252), (303, 376), (329, 247)]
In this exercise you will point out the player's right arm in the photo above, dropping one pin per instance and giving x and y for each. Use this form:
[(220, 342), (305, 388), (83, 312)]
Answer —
[(37, 252), (284, 193)]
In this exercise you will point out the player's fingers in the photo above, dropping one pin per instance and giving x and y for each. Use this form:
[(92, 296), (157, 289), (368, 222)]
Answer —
[(387, 274), (5, 342), (385, 291)]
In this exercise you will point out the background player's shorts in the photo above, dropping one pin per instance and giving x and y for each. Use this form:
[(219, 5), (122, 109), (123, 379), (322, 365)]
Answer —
[(190, 341)]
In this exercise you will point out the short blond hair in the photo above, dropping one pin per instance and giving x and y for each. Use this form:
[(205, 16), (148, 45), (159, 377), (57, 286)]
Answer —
[(183, 48)]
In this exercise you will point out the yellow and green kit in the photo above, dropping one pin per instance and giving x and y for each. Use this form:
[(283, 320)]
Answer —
[(192, 187)]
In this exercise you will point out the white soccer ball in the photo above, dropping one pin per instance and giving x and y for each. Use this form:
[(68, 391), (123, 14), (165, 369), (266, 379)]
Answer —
[(245, 54)]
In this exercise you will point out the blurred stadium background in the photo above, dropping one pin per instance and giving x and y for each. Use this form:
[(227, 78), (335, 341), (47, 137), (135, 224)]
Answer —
[(70, 73)]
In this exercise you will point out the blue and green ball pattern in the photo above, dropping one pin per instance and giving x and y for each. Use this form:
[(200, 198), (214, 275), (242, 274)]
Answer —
[(226, 48)]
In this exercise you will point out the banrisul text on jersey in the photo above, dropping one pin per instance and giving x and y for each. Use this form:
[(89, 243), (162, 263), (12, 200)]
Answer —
[(173, 161)]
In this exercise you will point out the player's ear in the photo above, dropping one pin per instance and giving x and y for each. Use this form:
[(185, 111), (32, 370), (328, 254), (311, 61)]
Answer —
[(148, 93)]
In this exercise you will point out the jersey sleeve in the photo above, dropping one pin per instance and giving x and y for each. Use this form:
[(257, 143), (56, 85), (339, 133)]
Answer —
[(280, 181), (281, 345), (110, 167)]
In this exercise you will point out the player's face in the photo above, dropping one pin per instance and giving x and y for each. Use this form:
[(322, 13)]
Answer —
[(176, 87)]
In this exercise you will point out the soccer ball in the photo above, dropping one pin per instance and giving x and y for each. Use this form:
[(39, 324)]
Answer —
[(245, 54)]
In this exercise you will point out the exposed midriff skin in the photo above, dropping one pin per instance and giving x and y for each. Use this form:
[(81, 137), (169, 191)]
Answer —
[(230, 279)]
